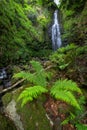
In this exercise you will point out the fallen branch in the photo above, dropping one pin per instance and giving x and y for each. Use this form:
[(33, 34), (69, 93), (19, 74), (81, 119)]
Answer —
[(13, 86), (20, 81)]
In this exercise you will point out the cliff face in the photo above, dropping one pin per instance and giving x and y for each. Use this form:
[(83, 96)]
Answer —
[(74, 14)]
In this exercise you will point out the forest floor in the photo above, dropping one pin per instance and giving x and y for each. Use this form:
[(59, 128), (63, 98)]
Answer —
[(57, 110)]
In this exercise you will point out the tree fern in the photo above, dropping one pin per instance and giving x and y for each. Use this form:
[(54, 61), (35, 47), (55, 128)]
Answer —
[(31, 93), (63, 90)]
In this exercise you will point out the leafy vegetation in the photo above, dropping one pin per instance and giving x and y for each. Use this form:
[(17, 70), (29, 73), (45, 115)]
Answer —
[(76, 116), (73, 24), (38, 77), (19, 24), (31, 93), (67, 56), (24, 28), (62, 89)]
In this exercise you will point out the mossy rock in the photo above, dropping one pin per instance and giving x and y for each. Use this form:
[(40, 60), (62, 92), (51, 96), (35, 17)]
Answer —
[(33, 116), (6, 124), (7, 98)]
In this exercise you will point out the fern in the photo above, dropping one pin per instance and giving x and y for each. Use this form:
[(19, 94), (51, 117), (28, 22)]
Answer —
[(81, 126), (36, 65), (65, 57), (68, 85), (38, 77), (24, 75), (69, 119), (31, 93), (63, 90)]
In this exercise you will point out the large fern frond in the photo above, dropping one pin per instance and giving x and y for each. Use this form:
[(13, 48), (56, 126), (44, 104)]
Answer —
[(31, 93), (37, 66), (24, 75), (37, 78), (63, 90), (65, 96), (68, 85)]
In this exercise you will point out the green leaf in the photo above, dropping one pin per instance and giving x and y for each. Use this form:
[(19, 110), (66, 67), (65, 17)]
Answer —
[(63, 90), (81, 126), (31, 93)]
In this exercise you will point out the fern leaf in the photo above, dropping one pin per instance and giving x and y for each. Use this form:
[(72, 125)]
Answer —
[(31, 93), (63, 89), (65, 96), (25, 100), (37, 78), (36, 65), (19, 75), (81, 126), (25, 75), (68, 85)]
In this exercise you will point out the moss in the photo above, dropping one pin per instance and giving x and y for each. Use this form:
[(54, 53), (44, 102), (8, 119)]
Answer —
[(74, 23), (6, 124), (33, 115), (7, 98)]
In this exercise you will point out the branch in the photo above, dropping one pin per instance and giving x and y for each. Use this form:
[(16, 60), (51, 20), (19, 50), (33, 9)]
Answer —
[(13, 86)]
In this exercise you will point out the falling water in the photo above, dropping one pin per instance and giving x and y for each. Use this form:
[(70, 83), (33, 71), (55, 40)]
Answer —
[(56, 2), (56, 38), (3, 73)]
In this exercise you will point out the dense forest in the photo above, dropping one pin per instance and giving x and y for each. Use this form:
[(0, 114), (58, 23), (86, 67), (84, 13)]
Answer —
[(43, 65)]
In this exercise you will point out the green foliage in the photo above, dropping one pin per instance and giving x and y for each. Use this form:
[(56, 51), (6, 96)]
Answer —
[(63, 56), (77, 115), (69, 13), (81, 127), (69, 118), (38, 77), (66, 56), (63, 90), (31, 93), (19, 25), (74, 20)]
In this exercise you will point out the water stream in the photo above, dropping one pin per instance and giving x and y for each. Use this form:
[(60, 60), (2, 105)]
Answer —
[(56, 37)]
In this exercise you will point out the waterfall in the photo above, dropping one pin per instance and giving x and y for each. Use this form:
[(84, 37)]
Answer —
[(56, 38), (3, 73), (56, 2)]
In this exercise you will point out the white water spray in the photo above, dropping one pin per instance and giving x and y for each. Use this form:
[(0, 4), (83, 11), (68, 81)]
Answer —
[(56, 2), (56, 38)]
